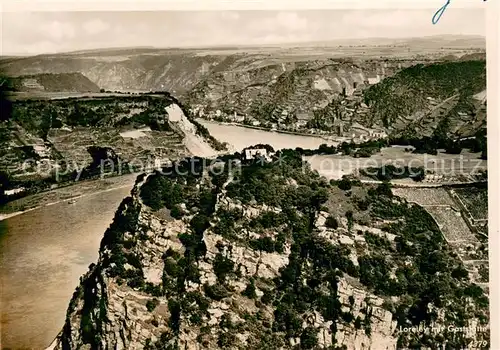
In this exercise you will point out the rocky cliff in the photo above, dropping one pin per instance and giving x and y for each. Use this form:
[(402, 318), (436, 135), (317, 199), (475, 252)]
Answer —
[(220, 257)]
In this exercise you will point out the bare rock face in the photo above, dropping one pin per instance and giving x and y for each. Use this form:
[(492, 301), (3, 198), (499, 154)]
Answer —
[(366, 306)]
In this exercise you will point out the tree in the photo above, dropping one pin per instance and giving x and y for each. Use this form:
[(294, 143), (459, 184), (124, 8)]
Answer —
[(250, 290), (222, 267), (384, 189), (350, 219), (151, 304), (6, 86), (199, 223), (345, 184), (454, 148), (319, 198), (176, 212), (309, 338), (331, 222)]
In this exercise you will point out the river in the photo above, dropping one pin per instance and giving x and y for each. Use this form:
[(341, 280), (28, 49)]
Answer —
[(336, 166), (240, 137), (43, 253)]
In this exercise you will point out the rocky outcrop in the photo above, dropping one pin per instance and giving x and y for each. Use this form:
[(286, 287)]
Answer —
[(191, 262), (107, 311)]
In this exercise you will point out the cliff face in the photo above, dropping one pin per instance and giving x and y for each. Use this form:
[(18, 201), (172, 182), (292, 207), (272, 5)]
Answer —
[(105, 313), (214, 260), (126, 70)]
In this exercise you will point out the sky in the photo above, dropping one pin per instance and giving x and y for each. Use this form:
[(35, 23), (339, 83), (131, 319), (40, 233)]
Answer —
[(48, 32)]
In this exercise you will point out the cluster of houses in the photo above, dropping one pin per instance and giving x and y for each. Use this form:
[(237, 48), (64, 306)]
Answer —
[(287, 118), (342, 127)]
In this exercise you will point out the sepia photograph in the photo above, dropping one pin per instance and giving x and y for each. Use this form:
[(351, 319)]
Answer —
[(244, 179)]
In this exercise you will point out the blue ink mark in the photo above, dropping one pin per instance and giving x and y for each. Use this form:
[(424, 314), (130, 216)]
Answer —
[(439, 13)]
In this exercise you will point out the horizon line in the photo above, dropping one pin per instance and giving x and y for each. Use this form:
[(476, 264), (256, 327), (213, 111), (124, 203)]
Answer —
[(243, 46)]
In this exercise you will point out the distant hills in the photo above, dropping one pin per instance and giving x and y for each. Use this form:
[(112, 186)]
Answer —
[(179, 69), (299, 79)]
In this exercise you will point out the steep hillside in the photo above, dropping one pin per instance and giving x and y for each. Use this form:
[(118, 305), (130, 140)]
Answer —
[(345, 97), (298, 88), (61, 82), (270, 257), (124, 70), (427, 92)]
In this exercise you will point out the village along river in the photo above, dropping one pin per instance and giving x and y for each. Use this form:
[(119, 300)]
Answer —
[(43, 253)]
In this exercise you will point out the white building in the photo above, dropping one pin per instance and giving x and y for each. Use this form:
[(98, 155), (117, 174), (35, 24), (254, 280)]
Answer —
[(238, 118), (256, 153), (372, 80), (378, 134), (14, 191)]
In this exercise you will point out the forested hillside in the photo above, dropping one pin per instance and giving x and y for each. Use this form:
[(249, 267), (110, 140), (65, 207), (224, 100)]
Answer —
[(410, 90)]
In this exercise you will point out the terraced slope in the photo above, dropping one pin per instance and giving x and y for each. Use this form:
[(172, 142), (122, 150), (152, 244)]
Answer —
[(48, 141), (296, 87)]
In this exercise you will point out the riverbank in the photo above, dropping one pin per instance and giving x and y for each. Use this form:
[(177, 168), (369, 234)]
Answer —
[(43, 254), (67, 193)]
